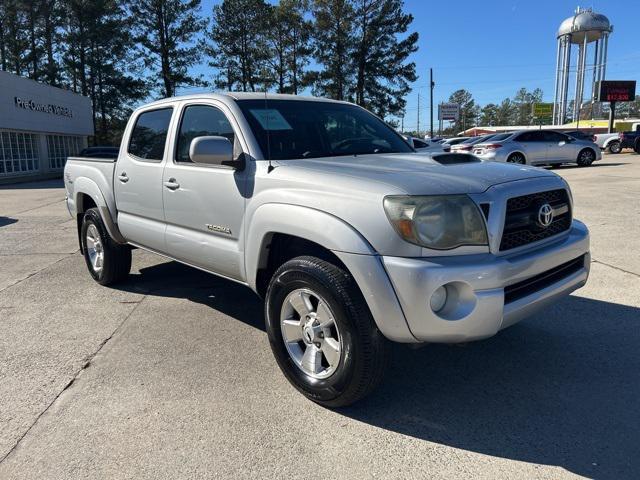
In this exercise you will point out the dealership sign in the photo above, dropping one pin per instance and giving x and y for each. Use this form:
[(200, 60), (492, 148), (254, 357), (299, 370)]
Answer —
[(617, 91), (29, 104), (448, 111)]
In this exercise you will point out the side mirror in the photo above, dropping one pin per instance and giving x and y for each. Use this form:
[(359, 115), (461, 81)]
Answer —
[(211, 151)]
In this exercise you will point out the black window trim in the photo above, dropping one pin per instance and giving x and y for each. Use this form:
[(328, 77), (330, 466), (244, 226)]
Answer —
[(200, 103), (166, 140)]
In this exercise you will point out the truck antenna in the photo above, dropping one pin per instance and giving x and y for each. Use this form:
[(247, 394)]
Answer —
[(266, 108)]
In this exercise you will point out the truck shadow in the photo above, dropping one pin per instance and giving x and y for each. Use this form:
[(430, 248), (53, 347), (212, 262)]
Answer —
[(560, 389), (4, 221)]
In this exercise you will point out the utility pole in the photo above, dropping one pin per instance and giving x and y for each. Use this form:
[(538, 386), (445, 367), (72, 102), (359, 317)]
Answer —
[(402, 123), (612, 116), (431, 85), (418, 127)]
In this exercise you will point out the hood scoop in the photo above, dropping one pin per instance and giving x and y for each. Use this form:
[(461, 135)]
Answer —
[(454, 158)]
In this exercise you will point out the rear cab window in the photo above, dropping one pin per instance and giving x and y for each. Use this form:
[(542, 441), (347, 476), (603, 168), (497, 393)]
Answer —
[(149, 134)]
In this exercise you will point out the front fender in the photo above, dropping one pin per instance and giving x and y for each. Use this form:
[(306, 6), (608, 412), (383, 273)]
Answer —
[(349, 246), (304, 222), (86, 186)]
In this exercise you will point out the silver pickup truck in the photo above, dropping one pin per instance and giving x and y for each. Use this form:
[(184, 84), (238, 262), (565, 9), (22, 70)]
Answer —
[(351, 237)]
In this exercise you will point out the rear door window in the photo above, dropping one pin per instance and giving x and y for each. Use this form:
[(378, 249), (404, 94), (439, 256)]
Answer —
[(149, 134)]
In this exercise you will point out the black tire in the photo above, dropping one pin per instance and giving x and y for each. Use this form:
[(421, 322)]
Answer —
[(614, 147), (586, 157), (517, 158), (116, 262), (365, 351)]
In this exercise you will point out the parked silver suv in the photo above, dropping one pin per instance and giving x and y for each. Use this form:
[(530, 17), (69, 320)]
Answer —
[(539, 147)]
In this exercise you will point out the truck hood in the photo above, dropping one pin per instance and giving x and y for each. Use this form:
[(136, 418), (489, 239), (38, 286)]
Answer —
[(417, 174)]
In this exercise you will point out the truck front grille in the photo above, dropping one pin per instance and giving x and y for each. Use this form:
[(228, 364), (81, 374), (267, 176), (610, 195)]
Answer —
[(521, 225), (538, 282)]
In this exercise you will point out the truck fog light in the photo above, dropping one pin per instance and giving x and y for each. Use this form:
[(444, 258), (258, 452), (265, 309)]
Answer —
[(438, 299)]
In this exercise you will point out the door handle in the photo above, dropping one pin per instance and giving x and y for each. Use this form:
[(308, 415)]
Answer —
[(171, 184), (123, 177)]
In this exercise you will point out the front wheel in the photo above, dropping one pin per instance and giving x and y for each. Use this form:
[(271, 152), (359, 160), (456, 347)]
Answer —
[(322, 333), (107, 261), (614, 147), (586, 157)]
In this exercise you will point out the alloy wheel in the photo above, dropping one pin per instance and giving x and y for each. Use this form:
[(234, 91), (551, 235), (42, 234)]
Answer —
[(310, 333), (94, 248), (516, 158)]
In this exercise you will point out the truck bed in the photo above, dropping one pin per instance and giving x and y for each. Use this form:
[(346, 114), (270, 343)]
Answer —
[(94, 174)]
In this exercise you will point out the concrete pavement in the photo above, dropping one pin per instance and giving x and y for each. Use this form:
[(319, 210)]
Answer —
[(170, 374)]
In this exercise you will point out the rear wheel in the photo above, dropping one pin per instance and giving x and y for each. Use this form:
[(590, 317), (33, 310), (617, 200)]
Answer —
[(322, 333), (517, 158), (107, 261), (586, 157), (614, 147)]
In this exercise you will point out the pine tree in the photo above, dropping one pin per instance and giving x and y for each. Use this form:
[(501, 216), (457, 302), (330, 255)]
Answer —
[(288, 36), (100, 60), (489, 115), (382, 71), (505, 114), (468, 109), (523, 102), (51, 19), (334, 40), (14, 41), (300, 48), (167, 31), (239, 49)]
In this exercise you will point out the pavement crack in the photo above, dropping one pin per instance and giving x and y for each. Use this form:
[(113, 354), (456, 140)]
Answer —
[(38, 271), (86, 364), (615, 268), (39, 206)]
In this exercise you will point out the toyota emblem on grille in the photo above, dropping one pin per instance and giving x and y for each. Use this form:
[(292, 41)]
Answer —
[(545, 215)]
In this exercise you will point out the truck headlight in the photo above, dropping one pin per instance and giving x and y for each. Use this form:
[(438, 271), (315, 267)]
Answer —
[(440, 222)]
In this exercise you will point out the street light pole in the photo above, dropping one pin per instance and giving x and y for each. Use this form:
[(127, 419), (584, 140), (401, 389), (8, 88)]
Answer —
[(431, 85), (418, 127)]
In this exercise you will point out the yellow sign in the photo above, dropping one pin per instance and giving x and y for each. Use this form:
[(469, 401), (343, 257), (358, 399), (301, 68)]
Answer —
[(542, 110)]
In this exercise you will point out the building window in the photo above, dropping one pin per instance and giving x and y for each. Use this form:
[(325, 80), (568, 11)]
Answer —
[(59, 147), (18, 153)]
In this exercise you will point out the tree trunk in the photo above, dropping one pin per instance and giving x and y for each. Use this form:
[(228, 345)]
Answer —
[(32, 40), (48, 45), (164, 53)]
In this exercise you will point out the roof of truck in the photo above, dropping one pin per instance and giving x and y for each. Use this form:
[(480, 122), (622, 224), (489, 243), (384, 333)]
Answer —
[(243, 96)]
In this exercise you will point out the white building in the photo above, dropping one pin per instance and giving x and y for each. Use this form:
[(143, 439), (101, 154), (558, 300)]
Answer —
[(40, 126)]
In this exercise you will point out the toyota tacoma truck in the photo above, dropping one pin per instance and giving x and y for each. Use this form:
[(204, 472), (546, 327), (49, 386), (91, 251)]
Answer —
[(351, 238)]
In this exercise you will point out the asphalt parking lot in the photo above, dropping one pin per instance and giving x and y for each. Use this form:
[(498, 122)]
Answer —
[(170, 375)]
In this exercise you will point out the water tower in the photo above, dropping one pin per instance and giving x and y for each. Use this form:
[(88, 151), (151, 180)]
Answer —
[(583, 28)]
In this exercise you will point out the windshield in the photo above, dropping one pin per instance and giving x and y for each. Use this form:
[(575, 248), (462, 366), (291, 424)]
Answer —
[(291, 129)]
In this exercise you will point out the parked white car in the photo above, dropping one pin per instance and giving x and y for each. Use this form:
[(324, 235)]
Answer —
[(422, 146), (539, 147)]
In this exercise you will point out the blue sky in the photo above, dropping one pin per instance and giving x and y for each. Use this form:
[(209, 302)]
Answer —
[(495, 47)]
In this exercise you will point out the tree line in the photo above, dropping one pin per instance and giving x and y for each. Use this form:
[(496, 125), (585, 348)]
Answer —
[(516, 110), (119, 52)]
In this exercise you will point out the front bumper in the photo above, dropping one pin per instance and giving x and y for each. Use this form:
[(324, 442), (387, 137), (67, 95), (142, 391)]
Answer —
[(476, 285)]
